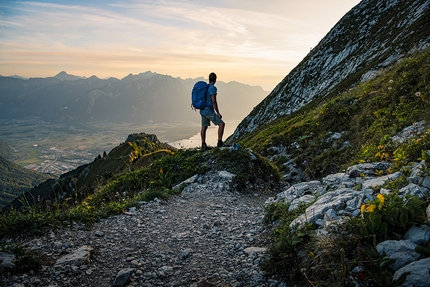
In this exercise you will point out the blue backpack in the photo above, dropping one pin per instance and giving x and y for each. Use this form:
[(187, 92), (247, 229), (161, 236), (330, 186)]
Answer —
[(199, 96)]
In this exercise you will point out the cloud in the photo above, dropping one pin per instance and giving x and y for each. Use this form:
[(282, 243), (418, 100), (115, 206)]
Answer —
[(187, 36)]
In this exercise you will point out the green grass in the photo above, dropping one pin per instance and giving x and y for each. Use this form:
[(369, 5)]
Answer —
[(367, 116)]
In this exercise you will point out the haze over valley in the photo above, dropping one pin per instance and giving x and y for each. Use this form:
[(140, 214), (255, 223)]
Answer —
[(56, 124)]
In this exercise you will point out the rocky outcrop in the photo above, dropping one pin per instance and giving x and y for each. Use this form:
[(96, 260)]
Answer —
[(418, 273), (340, 196)]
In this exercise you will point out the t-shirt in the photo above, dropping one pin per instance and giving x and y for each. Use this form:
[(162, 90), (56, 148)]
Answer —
[(212, 90)]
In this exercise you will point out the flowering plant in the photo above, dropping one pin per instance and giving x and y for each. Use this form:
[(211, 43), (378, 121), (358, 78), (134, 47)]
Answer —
[(390, 214)]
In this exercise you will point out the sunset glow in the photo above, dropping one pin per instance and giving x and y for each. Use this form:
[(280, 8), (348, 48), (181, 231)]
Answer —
[(249, 41)]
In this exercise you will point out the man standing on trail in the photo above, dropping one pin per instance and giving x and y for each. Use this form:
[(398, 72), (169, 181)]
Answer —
[(211, 114)]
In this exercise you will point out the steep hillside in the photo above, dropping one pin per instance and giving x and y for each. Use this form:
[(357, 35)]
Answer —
[(370, 37), (5, 151), (15, 180), (359, 125)]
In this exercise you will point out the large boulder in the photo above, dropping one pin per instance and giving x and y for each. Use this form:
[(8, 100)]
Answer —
[(403, 251), (419, 273)]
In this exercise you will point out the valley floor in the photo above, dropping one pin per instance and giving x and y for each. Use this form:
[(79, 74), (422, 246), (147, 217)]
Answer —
[(59, 148)]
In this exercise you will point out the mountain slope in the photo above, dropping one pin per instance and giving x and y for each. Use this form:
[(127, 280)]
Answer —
[(370, 37), (5, 151), (363, 124), (15, 180)]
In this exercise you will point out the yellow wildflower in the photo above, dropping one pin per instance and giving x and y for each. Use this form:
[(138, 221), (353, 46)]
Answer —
[(363, 208), (381, 200), (371, 208)]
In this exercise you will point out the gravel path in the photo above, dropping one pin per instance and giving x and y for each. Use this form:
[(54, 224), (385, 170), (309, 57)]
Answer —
[(201, 239)]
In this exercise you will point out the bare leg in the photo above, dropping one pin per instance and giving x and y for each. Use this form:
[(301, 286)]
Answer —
[(203, 134), (221, 131)]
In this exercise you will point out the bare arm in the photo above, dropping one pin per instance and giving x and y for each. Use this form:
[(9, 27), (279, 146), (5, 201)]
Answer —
[(215, 105)]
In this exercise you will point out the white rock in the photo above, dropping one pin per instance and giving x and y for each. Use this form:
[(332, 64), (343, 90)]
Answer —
[(401, 250), (418, 234), (380, 181), (419, 273)]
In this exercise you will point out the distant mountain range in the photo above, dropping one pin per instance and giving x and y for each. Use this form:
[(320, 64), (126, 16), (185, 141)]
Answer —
[(144, 98)]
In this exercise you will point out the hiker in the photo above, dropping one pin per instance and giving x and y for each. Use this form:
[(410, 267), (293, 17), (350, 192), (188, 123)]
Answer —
[(211, 114)]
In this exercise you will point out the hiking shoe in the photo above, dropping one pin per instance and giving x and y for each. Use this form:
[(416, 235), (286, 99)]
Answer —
[(205, 147), (220, 143)]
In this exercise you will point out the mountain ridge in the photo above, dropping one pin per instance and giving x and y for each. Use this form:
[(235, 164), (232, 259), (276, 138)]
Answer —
[(370, 37)]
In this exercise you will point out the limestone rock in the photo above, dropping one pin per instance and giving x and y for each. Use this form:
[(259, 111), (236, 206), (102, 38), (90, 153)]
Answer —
[(418, 234), (367, 168), (380, 181), (415, 190), (419, 273), (401, 250), (253, 249), (79, 257), (336, 200)]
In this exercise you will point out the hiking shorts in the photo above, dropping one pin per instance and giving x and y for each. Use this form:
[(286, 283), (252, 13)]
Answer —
[(207, 119)]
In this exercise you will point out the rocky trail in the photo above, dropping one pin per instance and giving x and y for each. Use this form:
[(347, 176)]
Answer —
[(198, 239)]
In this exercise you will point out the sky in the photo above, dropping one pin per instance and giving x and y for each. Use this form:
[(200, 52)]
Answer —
[(254, 42)]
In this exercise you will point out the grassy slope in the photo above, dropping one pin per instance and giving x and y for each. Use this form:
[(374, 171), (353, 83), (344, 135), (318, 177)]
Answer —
[(140, 169), (367, 116)]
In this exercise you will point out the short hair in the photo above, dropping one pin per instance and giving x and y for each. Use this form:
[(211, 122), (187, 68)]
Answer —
[(212, 77)]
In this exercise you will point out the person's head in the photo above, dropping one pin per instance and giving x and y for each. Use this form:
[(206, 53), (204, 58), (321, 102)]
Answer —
[(212, 78)]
